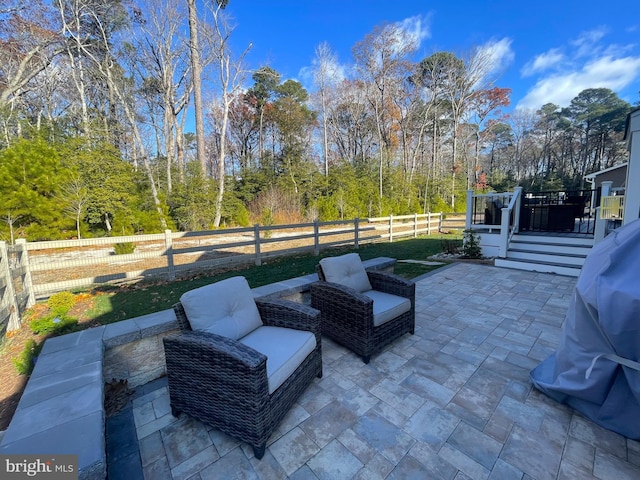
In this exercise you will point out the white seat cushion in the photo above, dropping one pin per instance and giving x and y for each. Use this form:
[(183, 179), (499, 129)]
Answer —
[(225, 308), (386, 306), (285, 349), (346, 270)]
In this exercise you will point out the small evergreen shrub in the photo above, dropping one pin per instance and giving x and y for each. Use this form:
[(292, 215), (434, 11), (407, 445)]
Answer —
[(53, 324), (124, 248), (471, 244), (61, 302), (24, 363), (267, 220)]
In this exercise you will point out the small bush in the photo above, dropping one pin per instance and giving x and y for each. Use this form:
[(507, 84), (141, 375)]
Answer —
[(450, 246), (60, 303), (267, 220), (53, 324), (471, 245), (24, 363), (124, 248)]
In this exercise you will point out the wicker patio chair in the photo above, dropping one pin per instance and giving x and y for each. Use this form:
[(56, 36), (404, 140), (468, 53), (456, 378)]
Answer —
[(227, 382), (362, 310)]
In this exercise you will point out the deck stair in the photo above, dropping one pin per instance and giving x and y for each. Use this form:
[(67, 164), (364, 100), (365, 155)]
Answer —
[(563, 255)]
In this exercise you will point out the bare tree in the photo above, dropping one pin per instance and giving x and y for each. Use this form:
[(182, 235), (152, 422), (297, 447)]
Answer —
[(29, 42), (230, 74), (77, 197), (163, 64), (381, 60), (325, 74), (196, 67), (99, 51)]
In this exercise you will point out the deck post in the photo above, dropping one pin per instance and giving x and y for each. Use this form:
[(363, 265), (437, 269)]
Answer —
[(600, 229), (469, 216), (516, 209), (504, 233)]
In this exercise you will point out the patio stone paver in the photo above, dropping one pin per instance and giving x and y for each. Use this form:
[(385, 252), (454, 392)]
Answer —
[(453, 401)]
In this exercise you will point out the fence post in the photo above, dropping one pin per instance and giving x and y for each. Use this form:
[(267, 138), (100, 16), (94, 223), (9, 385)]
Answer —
[(415, 225), (356, 233), (390, 228), (8, 299), (316, 237), (440, 222), (256, 237), (168, 248), (23, 261), (428, 223)]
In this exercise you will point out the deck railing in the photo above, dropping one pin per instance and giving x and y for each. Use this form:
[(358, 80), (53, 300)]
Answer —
[(612, 207)]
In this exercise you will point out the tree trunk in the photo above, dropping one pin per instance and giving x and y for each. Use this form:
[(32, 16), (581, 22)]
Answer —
[(196, 66)]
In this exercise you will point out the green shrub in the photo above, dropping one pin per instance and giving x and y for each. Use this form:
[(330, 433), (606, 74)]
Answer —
[(60, 303), (24, 363), (53, 324), (451, 246), (124, 248), (267, 220), (471, 244)]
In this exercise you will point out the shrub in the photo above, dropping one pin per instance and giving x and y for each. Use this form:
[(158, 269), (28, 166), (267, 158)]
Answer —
[(450, 246), (471, 244), (53, 324), (60, 303), (124, 248), (24, 363)]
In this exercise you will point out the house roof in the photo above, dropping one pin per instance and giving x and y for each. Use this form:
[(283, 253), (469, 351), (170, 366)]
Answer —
[(593, 175)]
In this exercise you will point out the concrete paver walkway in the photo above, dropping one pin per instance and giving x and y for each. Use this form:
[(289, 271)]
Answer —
[(453, 401)]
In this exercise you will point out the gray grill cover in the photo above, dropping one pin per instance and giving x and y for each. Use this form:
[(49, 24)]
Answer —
[(595, 368)]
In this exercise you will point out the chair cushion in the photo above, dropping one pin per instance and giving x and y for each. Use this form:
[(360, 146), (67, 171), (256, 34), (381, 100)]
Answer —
[(346, 270), (225, 308), (386, 306), (285, 349)]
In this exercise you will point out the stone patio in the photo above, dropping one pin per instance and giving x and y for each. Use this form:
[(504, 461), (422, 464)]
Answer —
[(453, 401)]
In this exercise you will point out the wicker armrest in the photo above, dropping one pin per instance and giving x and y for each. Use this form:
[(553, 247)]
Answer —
[(342, 304), (204, 353), (288, 314), (340, 293), (392, 283), (181, 317)]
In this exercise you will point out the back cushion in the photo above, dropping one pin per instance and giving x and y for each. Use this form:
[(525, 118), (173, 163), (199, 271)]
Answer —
[(225, 308), (346, 270)]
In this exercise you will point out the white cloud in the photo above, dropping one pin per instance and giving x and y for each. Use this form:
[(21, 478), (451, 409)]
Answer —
[(497, 55), (587, 43), (337, 72), (543, 62), (585, 62), (416, 29), (561, 88)]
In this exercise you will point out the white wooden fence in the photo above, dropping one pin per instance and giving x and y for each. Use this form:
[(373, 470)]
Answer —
[(30, 270)]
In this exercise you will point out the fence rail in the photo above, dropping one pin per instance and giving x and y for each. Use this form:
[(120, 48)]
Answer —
[(30, 270)]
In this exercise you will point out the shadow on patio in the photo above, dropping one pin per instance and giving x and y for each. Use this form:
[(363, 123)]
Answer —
[(453, 401)]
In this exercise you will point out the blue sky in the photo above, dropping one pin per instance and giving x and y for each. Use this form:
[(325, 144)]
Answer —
[(545, 51)]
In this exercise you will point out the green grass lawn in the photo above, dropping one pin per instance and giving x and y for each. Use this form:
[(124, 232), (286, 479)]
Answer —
[(121, 303)]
